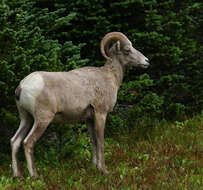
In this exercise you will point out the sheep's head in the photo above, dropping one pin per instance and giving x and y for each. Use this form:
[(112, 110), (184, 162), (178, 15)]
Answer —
[(122, 51)]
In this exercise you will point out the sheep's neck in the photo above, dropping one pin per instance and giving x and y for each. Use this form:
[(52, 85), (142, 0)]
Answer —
[(117, 69)]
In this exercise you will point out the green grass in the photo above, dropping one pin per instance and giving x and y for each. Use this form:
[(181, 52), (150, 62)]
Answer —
[(164, 157)]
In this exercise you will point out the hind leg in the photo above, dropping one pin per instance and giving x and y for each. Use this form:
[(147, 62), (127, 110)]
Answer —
[(25, 124), (90, 127), (36, 132)]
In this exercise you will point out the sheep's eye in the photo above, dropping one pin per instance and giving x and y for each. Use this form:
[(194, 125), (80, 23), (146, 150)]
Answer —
[(126, 51)]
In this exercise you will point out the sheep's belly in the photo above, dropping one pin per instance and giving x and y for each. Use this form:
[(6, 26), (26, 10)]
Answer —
[(62, 117)]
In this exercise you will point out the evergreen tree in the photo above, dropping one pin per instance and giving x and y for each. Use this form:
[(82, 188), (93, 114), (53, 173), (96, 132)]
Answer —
[(49, 35), (31, 38)]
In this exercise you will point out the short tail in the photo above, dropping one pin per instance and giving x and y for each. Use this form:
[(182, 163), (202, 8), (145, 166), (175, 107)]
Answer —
[(18, 92)]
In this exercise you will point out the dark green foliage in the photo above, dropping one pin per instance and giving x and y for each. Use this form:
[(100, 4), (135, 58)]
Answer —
[(62, 35), (167, 32), (31, 39)]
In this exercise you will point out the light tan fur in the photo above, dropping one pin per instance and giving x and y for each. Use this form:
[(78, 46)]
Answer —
[(86, 94)]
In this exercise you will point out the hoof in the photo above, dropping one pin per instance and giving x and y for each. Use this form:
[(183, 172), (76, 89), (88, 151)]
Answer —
[(104, 171), (18, 175), (35, 176)]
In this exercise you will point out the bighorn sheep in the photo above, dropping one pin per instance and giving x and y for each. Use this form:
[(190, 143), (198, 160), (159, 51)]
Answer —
[(86, 94)]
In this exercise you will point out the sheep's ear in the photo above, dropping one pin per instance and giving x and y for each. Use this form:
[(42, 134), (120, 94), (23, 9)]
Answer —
[(118, 46)]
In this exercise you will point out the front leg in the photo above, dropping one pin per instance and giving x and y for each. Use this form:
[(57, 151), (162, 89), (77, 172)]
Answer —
[(99, 124)]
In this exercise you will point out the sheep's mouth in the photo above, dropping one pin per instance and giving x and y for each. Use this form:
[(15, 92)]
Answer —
[(145, 66)]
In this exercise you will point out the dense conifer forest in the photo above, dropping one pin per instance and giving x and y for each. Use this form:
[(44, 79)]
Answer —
[(52, 35)]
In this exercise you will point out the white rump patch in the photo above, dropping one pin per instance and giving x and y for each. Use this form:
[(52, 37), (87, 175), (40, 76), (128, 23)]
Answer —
[(31, 86)]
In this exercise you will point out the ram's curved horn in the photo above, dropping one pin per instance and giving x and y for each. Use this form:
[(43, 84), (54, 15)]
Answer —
[(107, 40)]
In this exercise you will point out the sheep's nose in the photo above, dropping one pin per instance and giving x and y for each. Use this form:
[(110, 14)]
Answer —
[(147, 60)]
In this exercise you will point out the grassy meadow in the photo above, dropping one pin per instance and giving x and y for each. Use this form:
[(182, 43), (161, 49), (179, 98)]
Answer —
[(162, 156)]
